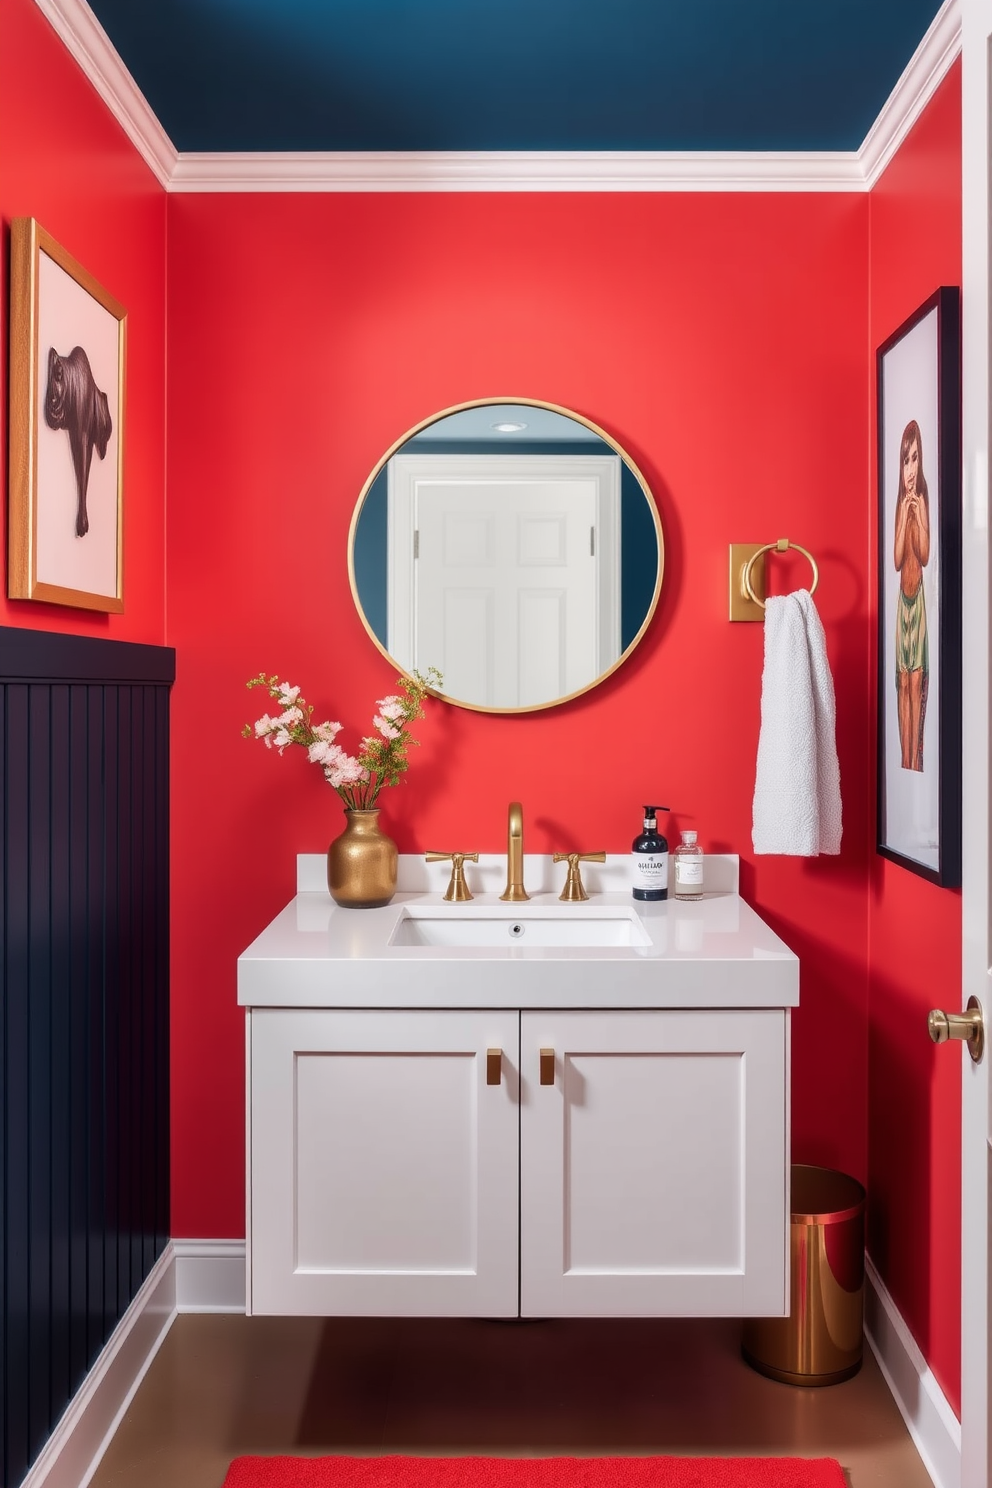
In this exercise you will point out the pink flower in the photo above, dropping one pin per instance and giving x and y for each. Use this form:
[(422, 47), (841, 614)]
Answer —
[(264, 727), (327, 731), (340, 769), (381, 756)]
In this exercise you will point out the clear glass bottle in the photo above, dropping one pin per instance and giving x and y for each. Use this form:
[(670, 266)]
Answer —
[(688, 868)]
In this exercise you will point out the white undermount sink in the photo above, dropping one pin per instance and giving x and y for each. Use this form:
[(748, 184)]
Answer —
[(421, 951), (515, 927)]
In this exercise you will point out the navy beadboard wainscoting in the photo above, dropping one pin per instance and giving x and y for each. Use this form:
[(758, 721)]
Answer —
[(84, 1205)]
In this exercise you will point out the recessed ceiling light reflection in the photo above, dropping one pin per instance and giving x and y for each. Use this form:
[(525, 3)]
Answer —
[(509, 428)]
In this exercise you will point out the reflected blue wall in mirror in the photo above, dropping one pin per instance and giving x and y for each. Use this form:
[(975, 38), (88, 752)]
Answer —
[(369, 555)]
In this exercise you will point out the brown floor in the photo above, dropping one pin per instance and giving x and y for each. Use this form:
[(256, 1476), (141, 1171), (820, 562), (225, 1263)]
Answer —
[(223, 1386)]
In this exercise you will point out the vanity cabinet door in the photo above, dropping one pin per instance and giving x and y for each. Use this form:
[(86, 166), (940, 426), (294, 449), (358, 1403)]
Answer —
[(654, 1169), (383, 1164)]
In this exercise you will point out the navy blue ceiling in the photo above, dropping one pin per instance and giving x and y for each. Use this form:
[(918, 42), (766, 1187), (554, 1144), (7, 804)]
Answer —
[(304, 75)]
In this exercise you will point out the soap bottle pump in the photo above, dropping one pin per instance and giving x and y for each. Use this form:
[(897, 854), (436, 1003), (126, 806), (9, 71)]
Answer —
[(649, 854)]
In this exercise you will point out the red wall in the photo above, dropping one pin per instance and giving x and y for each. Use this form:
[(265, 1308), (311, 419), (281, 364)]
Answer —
[(69, 164), (722, 340), (727, 342), (914, 928)]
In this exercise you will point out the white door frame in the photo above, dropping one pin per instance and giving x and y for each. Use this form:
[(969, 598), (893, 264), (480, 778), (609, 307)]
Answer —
[(976, 912)]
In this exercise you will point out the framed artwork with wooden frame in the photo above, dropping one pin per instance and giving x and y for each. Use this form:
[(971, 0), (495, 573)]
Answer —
[(919, 592), (67, 359)]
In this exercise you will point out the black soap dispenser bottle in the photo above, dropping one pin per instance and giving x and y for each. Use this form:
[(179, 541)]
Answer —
[(649, 854)]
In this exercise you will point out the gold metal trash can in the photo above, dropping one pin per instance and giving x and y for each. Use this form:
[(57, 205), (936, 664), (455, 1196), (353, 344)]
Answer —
[(822, 1340)]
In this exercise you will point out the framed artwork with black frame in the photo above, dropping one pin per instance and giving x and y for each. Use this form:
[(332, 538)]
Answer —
[(919, 591), (65, 520)]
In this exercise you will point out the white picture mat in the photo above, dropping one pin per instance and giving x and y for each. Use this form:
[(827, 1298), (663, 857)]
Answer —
[(909, 391), (69, 316)]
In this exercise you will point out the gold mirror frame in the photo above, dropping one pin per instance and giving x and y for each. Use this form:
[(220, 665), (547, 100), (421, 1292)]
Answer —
[(518, 403)]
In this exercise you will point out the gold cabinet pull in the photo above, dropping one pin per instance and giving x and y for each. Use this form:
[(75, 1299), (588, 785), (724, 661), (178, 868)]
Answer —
[(547, 1066), (969, 1026), (494, 1066)]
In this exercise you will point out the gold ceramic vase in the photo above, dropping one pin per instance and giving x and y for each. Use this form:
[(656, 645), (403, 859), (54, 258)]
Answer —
[(361, 863)]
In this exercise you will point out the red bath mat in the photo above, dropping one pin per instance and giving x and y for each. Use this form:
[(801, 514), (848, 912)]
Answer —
[(536, 1472)]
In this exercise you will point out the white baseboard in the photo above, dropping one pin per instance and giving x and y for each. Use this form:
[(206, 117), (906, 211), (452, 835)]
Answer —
[(73, 1451), (935, 1429), (208, 1276), (189, 1276)]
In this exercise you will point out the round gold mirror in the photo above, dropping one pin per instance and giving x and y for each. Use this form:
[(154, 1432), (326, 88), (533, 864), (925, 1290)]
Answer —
[(512, 545)]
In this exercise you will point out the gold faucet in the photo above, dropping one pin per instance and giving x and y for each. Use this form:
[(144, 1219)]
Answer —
[(458, 891), (574, 891), (515, 890)]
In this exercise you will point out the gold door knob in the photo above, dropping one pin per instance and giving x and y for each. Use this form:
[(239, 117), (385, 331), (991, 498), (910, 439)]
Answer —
[(969, 1026)]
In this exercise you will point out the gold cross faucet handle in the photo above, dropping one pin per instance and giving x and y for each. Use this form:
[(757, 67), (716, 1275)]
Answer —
[(574, 890), (458, 890)]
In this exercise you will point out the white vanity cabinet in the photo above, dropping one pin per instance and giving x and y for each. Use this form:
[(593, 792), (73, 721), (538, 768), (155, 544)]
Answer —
[(653, 1172), (626, 1162), (547, 1110), (383, 1167)]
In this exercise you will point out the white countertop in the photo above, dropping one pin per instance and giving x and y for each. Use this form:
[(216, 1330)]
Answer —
[(712, 952)]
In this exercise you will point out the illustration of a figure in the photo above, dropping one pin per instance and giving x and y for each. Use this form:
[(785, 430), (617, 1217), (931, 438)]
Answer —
[(912, 554), (74, 402)]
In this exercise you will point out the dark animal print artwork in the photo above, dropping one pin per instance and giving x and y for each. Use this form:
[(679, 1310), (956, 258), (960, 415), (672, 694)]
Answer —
[(74, 402)]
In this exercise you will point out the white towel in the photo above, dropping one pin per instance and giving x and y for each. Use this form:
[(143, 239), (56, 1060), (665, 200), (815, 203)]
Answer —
[(797, 806)]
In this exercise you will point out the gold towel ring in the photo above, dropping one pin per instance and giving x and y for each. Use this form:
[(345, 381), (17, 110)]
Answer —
[(778, 547)]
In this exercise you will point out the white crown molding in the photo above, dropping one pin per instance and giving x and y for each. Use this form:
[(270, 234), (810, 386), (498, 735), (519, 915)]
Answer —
[(85, 39), (519, 170), (925, 71), (935, 1429), (506, 170)]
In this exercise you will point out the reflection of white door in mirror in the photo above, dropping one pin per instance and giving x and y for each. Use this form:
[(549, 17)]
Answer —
[(545, 489), (503, 572)]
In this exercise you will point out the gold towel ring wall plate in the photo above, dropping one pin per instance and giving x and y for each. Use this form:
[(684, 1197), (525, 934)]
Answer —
[(747, 575)]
